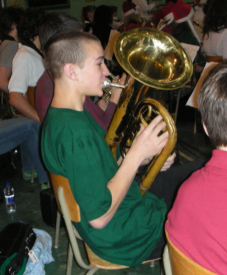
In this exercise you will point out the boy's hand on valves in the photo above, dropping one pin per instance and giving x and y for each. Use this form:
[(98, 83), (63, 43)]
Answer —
[(116, 92), (148, 142)]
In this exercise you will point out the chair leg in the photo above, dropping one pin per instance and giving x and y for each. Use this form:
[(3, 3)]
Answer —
[(69, 261), (32, 175), (69, 226), (185, 156), (2, 97), (58, 221), (166, 261), (162, 271), (92, 270), (195, 127), (177, 106), (48, 183), (152, 265)]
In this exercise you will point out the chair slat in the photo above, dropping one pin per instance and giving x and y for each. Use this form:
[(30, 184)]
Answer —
[(31, 95), (181, 264), (74, 209), (217, 59)]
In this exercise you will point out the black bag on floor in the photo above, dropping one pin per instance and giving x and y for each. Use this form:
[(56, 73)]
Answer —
[(49, 207), (8, 168), (16, 240)]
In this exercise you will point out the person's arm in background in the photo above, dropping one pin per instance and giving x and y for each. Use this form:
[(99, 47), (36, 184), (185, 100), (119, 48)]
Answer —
[(18, 86), (17, 100), (103, 117), (109, 108), (115, 94)]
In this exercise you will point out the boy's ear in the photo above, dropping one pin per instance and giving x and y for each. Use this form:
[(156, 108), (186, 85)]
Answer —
[(71, 71), (205, 129)]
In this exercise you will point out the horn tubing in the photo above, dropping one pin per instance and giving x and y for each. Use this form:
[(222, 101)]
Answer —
[(159, 162)]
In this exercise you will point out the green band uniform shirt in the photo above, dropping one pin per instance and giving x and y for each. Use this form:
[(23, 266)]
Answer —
[(73, 146)]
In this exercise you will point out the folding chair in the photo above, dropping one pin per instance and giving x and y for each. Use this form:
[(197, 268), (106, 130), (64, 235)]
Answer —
[(71, 212), (180, 263)]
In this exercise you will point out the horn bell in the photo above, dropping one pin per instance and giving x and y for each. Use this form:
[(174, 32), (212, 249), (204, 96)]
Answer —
[(154, 58)]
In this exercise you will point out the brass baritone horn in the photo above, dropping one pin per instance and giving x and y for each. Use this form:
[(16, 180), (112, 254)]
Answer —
[(158, 61)]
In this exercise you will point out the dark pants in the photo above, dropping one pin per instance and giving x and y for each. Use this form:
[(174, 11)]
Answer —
[(165, 186)]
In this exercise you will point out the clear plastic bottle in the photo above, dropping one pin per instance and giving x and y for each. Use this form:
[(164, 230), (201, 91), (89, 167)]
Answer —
[(9, 198)]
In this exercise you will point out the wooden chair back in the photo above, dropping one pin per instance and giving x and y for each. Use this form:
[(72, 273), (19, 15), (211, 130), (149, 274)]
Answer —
[(31, 95), (181, 264), (73, 207), (74, 213), (216, 59)]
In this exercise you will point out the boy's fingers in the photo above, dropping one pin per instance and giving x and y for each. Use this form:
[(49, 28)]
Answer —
[(154, 123), (142, 127)]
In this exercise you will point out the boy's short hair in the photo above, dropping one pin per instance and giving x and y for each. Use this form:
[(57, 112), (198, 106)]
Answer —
[(212, 104), (57, 22), (28, 28), (66, 47), (8, 16)]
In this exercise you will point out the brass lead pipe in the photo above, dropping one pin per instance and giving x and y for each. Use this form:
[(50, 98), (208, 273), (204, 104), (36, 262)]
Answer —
[(107, 87), (107, 83)]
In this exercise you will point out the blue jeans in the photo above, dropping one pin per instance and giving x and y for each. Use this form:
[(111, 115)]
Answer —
[(24, 132)]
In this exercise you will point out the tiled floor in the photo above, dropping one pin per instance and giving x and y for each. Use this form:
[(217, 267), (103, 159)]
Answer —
[(27, 195)]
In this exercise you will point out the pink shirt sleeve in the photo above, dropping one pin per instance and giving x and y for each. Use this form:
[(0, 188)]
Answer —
[(101, 117)]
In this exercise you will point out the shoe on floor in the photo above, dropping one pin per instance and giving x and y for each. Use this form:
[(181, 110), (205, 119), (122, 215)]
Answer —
[(28, 176), (44, 185)]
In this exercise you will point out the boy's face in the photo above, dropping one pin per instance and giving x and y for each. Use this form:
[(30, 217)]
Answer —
[(91, 77)]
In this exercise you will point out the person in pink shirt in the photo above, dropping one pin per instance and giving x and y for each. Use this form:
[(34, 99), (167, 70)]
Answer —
[(215, 29), (197, 222)]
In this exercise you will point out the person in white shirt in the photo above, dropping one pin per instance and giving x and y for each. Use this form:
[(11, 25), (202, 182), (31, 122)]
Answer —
[(9, 18), (215, 29), (27, 69), (27, 63), (198, 17)]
